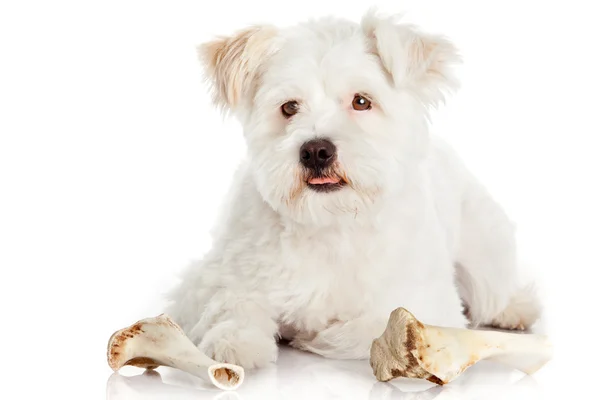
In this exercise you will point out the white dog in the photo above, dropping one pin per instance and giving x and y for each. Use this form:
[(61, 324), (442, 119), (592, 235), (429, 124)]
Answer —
[(346, 207)]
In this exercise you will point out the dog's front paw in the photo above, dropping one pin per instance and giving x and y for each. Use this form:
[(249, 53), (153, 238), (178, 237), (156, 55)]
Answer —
[(249, 348)]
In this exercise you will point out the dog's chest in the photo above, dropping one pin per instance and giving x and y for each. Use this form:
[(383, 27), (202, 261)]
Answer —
[(334, 275)]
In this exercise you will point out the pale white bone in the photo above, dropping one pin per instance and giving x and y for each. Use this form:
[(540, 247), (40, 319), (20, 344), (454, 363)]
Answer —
[(412, 349), (157, 341)]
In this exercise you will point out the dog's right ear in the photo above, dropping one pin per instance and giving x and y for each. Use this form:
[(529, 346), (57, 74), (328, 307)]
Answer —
[(233, 64)]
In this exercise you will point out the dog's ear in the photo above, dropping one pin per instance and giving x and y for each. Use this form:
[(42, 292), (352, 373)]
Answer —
[(232, 64), (416, 61)]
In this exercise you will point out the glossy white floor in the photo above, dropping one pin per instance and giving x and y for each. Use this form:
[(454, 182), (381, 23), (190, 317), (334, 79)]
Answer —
[(73, 364), (305, 376)]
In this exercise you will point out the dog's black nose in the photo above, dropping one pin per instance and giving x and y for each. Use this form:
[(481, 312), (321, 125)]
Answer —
[(319, 153)]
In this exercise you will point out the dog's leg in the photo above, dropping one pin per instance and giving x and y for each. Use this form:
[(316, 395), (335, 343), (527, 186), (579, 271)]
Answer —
[(344, 340), (487, 275), (234, 327), (242, 330)]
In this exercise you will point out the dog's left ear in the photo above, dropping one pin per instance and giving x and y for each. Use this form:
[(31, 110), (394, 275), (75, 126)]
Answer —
[(233, 64), (416, 61)]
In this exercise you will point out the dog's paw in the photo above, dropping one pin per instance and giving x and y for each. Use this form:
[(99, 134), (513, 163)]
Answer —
[(249, 348), (511, 324), (522, 312), (511, 319), (342, 339), (315, 345)]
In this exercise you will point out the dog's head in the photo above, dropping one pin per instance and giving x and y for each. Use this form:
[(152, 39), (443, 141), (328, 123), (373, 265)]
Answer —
[(333, 112)]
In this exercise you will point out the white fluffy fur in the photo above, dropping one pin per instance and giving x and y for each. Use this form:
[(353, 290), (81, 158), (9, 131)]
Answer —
[(413, 228)]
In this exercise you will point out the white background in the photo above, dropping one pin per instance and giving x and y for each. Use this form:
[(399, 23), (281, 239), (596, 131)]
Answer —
[(113, 164)]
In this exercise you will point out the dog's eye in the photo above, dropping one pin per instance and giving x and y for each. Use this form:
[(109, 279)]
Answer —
[(360, 103), (290, 108)]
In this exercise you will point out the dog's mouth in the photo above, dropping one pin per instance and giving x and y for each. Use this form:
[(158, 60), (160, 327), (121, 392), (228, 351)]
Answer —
[(326, 183)]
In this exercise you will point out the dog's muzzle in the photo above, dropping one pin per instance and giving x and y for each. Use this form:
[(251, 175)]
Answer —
[(318, 157)]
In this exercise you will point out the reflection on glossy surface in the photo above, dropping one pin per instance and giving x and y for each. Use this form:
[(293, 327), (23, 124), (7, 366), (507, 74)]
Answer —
[(302, 376)]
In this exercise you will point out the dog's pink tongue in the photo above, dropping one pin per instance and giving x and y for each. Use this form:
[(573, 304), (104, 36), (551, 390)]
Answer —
[(322, 181)]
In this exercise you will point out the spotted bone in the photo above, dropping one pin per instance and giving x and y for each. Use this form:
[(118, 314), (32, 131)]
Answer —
[(409, 348), (157, 341)]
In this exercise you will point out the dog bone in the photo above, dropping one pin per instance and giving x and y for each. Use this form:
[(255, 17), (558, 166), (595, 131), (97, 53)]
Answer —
[(157, 341), (411, 349)]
